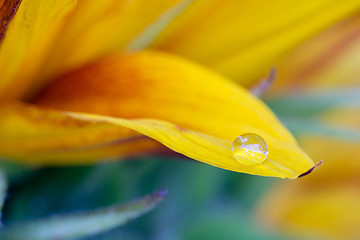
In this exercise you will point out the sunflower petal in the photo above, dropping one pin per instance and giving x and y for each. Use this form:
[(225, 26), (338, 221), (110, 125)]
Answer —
[(28, 39), (96, 28), (327, 61), (252, 34), (75, 35), (305, 211), (184, 106), (37, 135)]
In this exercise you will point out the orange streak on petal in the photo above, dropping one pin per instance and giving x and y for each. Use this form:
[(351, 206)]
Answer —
[(8, 9), (39, 135)]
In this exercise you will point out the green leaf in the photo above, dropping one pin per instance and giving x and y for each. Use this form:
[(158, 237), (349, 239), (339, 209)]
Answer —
[(83, 224), (313, 103)]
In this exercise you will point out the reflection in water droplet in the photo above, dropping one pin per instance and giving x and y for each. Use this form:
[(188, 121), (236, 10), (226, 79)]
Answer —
[(249, 149)]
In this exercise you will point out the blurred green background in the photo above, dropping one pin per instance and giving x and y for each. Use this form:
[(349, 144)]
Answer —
[(203, 202)]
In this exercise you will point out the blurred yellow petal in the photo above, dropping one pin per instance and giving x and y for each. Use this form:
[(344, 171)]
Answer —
[(325, 203), (184, 106), (316, 213), (61, 35), (341, 162), (243, 39), (97, 28), (340, 155), (329, 60), (37, 135), (28, 40)]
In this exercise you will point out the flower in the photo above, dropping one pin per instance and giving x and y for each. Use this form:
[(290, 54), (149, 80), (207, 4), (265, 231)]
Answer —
[(77, 85)]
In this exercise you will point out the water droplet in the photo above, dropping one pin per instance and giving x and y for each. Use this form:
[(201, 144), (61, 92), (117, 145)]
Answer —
[(249, 149)]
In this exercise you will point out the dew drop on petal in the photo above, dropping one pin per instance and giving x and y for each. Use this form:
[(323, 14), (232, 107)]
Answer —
[(249, 149)]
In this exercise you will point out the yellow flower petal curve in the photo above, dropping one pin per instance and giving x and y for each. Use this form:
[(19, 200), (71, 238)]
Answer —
[(28, 39), (97, 28), (246, 35), (49, 37), (252, 34), (184, 106), (43, 136)]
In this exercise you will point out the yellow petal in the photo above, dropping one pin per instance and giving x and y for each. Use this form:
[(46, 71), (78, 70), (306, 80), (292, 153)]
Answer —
[(243, 39), (97, 28), (28, 40), (329, 60), (60, 35), (38, 135), (327, 212), (184, 106)]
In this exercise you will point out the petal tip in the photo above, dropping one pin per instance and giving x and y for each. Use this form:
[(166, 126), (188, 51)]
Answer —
[(310, 170)]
